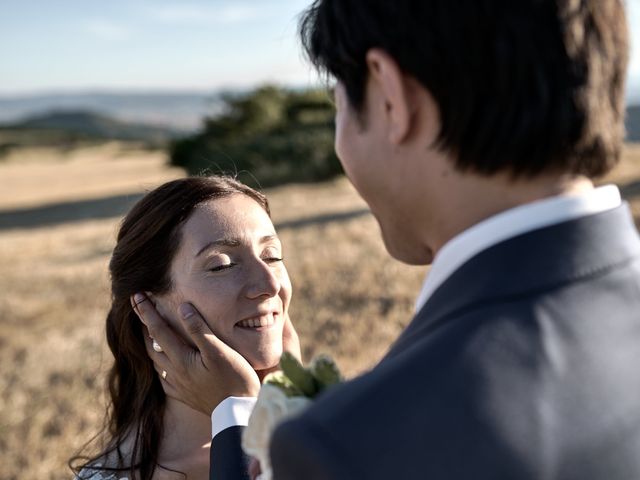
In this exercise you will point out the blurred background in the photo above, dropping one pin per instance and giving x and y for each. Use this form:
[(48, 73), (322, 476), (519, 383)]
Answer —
[(102, 101)]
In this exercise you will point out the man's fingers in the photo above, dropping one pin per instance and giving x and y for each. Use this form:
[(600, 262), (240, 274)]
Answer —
[(166, 373), (168, 386), (171, 391), (160, 361), (160, 371), (171, 345)]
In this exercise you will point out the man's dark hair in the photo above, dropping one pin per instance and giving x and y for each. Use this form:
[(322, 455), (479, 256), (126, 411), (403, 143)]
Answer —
[(525, 86)]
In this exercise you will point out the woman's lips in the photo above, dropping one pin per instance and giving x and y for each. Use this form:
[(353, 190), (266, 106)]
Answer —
[(260, 322)]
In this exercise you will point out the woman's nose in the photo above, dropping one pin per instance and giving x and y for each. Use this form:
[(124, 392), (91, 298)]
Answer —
[(263, 281)]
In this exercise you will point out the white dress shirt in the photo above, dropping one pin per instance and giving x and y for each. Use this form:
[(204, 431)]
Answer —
[(235, 411), (232, 411)]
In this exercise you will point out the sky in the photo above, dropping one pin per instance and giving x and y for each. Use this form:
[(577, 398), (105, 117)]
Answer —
[(48, 45)]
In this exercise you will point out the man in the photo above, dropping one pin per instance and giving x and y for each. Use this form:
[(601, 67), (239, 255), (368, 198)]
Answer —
[(473, 129)]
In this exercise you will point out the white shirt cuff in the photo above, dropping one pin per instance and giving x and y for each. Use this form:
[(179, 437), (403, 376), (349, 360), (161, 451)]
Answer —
[(232, 411)]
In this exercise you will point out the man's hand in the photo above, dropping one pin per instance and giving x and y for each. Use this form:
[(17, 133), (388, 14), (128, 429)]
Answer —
[(203, 376)]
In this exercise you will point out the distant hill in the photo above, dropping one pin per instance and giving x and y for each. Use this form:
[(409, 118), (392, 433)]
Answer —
[(633, 123), (69, 128), (96, 125), (177, 110)]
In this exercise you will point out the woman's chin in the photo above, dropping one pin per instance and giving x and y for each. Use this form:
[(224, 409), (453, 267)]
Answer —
[(265, 360), (261, 349)]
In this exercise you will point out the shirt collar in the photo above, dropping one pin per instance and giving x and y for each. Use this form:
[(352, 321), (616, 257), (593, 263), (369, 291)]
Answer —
[(510, 223)]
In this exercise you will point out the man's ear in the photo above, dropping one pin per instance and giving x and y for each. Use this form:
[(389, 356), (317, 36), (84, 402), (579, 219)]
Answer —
[(394, 87)]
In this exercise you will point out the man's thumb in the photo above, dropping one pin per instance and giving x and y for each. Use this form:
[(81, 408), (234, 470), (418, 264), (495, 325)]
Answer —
[(199, 332), (192, 321)]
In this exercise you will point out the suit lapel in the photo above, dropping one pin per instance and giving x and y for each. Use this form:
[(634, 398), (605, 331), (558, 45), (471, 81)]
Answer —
[(532, 262)]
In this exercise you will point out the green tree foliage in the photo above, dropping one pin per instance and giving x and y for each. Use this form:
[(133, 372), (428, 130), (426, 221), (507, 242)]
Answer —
[(275, 135)]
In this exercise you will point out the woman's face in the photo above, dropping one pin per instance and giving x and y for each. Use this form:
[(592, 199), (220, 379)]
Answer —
[(229, 266)]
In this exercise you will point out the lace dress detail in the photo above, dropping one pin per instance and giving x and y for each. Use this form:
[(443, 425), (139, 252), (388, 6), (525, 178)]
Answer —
[(97, 474)]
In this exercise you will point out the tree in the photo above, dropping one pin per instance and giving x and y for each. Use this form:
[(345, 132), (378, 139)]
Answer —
[(269, 136)]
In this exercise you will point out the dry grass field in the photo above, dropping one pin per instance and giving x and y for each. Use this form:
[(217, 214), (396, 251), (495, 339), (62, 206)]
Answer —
[(59, 213)]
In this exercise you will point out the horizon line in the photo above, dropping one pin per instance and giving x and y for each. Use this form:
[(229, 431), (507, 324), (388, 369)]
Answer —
[(632, 94), (97, 90)]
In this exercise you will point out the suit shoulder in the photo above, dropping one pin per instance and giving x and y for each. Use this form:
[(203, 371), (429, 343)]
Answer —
[(300, 449)]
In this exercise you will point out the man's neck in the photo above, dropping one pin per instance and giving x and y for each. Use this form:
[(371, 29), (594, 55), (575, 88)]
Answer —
[(471, 199)]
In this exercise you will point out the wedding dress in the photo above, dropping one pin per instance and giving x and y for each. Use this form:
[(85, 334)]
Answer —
[(94, 474)]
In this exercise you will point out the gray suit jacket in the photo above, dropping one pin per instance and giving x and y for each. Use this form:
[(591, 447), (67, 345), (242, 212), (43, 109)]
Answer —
[(524, 364)]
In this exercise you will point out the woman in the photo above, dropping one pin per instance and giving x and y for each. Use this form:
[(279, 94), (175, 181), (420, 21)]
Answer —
[(208, 241)]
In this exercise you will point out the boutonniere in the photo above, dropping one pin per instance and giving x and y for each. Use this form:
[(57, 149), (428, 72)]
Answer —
[(284, 394)]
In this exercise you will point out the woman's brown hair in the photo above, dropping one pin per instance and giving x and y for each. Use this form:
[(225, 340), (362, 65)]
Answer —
[(146, 244)]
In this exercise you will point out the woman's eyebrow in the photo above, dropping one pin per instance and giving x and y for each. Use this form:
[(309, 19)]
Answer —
[(233, 242), (269, 238), (223, 242)]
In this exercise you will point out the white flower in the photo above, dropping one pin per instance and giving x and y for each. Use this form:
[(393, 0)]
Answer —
[(272, 407)]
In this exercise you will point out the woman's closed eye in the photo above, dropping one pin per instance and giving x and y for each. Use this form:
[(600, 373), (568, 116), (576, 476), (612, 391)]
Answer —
[(220, 262), (272, 255), (226, 266), (272, 259), (219, 268)]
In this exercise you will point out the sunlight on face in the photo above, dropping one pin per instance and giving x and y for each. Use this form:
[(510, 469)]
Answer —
[(229, 266)]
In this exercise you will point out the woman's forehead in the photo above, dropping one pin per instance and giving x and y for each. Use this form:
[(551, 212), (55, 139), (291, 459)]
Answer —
[(230, 204), (235, 218)]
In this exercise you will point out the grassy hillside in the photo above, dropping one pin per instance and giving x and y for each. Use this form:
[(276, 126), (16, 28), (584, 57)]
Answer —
[(58, 219)]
